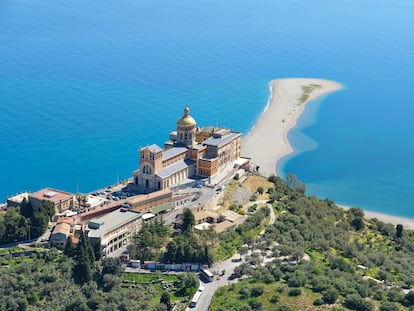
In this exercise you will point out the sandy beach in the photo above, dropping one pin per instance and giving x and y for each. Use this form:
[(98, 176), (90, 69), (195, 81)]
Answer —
[(267, 141), (408, 223)]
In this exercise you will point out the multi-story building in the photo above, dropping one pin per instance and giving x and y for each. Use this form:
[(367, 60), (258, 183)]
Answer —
[(16, 200), (61, 200), (146, 202), (189, 152), (114, 230)]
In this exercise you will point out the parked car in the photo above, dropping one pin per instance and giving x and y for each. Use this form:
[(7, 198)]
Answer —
[(232, 276)]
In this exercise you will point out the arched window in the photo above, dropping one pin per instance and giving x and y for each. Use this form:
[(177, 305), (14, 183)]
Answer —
[(146, 169)]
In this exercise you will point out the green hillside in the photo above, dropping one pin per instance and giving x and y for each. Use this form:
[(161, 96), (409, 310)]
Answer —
[(317, 256)]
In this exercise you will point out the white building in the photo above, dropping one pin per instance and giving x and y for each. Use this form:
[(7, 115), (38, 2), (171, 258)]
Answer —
[(114, 230)]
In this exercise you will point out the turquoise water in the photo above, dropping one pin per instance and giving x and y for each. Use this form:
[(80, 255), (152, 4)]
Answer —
[(82, 87)]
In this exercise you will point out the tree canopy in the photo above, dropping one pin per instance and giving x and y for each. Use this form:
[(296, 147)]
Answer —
[(188, 220)]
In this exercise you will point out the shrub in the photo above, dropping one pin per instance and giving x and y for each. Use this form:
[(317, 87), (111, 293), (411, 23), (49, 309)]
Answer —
[(280, 289), (330, 296), (244, 293), (283, 308), (410, 298), (256, 305), (294, 292), (318, 302), (388, 306), (252, 208), (352, 301), (395, 294), (297, 280), (256, 291), (274, 298), (355, 302)]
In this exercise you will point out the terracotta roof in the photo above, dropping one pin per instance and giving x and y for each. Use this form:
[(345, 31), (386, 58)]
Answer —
[(98, 210), (67, 220), (52, 195), (63, 228)]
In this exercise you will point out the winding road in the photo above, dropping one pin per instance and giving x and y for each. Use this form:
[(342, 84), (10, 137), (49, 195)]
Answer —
[(228, 267)]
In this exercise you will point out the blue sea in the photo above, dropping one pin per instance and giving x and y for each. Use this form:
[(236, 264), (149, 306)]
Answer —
[(84, 84)]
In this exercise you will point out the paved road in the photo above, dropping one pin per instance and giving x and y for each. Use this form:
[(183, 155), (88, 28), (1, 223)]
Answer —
[(45, 237), (228, 266), (211, 287)]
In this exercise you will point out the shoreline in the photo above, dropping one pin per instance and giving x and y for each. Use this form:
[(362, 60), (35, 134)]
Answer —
[(267, 142), (408, 223)]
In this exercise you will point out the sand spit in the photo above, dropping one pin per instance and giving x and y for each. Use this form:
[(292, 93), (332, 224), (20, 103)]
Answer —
[(267, 142)]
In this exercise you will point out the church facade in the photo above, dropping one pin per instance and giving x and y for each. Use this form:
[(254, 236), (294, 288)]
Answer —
[(189, 152)]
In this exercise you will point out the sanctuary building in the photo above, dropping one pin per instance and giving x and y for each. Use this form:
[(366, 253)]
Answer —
[(190, 152)]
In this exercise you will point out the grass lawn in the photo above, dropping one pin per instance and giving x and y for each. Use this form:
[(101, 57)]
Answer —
[(150, 277), (14, 262)]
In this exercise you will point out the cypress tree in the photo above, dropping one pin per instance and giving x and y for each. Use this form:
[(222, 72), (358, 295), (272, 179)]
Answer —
[(70, 248), (188, 220), (85, 258), (26, 209)]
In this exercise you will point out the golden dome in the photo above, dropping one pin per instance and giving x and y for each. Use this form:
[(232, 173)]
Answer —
[(186, 119)]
